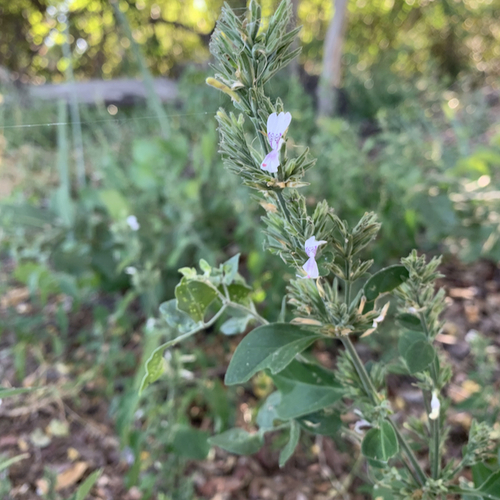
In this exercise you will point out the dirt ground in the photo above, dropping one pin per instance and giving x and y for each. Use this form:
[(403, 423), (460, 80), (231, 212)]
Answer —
[(67, 428)]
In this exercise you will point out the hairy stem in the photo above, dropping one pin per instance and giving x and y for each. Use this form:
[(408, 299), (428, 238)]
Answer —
[(434, 424), (417, 472)]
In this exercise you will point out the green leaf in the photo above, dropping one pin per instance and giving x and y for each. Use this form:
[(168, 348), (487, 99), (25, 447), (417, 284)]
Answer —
[(480, 473), (5, 464), (155, 366), (385, 280), (380, 443), (267, 412), (230, 268), (407, 339), (491, 487), (293, 441), (419, 356), (238, 293), (86, 486), (237, 324), (115, 203), (410, 321), (323, 422), (189, 442), (7, 392), (271, 346), (194, 297), (238, 441), (382, 493), (416, 350), (305, 388), (175, 318)]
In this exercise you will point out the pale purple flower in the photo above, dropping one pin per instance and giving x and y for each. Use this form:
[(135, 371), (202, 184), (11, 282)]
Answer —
[(276, 128), (311, 267), (133, 223)]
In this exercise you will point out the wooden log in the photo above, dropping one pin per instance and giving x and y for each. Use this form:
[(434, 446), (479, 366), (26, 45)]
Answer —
[(122, 91)]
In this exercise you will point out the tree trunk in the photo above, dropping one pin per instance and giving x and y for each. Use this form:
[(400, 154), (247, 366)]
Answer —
[(329, 82)]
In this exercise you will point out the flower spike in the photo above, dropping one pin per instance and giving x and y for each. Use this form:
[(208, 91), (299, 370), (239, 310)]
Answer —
[(311, 267), (277, 125)]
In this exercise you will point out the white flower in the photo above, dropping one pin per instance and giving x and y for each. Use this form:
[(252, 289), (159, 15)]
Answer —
[(131, 270), (435, 406), (133, 223), (361, 424), (276, 128), (311, 267), (381, 316)]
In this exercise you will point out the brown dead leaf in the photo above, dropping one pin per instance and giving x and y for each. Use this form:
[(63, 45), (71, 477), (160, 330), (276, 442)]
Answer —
[(446, 339), (72, 475), (73, 454), (268, 207), (14, 297), (463, 293), (472, 312)]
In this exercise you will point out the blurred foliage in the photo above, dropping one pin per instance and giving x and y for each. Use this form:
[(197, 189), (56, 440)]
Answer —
[(391, 45)]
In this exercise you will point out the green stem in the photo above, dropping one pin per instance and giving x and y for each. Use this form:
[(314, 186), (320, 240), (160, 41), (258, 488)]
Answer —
[(347, 282), (435, 435), (227, 302), (434, 424), (371, 392), (255, 314)]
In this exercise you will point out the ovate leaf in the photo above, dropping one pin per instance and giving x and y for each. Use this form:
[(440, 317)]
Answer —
[(175, 318), (410, 321), (230, 269), (385, 280), (419, 356), (305, 388), (189, 442), (155, 366), (194, 297), (271, 346), (323, 422), (416, 350), (267, 413), (380, 443), (235, 325), (238, 441)]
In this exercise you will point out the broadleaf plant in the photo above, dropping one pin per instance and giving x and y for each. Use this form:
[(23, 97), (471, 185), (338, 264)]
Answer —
[(333, 297)]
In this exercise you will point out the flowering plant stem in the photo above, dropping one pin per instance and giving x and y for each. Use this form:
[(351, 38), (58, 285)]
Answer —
[(434, 450), (417, 472)]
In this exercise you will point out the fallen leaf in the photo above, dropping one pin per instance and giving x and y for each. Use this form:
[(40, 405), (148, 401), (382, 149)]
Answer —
[(73, 454), (463, 293), (71, 476), (39, 438), (14, 297), (57, 428)]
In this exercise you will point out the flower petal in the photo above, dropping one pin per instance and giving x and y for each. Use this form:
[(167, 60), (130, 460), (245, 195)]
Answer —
[(284, 120), (435, 406), (271, 162), (311, 268), (311, 246)]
